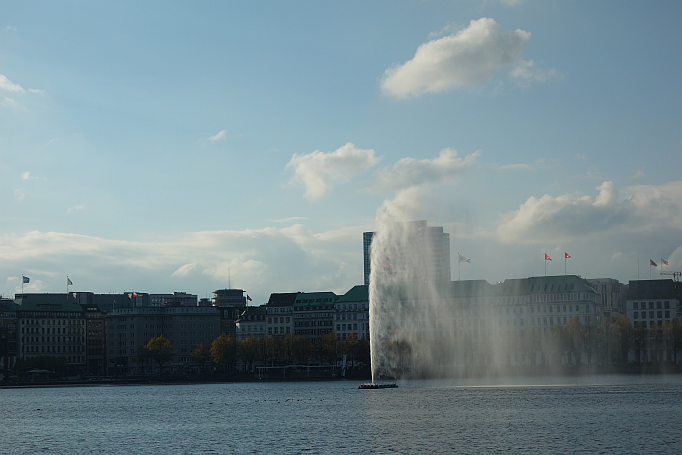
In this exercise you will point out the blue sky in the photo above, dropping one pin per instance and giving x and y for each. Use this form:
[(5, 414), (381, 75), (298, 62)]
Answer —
[(179, 146)]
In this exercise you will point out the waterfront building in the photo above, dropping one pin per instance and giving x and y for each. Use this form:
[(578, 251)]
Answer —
[(129, 329), (352, 313), (613, 294), (313, 315), (367, 238), (651, 303), (8, 335), (231, 303), (473, 322), (229, 298), (53, 328), (174, 299), (251, 323), (95, 325), (427, 247), (280, 311)]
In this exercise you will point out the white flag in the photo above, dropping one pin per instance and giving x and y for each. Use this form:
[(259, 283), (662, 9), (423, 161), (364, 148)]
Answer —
[(463, 259), (68, 282)]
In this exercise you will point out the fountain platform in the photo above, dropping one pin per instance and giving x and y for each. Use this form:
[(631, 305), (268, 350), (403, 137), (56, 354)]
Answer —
[(376, 385)]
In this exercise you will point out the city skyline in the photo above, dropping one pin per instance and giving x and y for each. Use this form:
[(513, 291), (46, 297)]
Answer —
[(182, 147)]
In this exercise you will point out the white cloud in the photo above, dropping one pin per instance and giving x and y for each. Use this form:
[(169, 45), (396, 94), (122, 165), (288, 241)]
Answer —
[(290, 219), (570, 216), (409, 172), (11, 103), (36, 91), (75, 209), (26, 176), (218, 137), (6, 84), (512, 2), (18, 194), (185, 269), (469, 57), (517, 166), (639, 173), (319, 171), (259, 261), (525, 72)]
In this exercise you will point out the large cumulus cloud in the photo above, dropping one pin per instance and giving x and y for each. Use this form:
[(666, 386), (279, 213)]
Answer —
[(469, 57), (571, 216)]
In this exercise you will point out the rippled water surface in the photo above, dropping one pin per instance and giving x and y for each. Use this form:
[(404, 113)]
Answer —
[(599, 414)]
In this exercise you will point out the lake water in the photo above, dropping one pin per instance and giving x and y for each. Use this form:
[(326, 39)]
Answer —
[(596, 414)]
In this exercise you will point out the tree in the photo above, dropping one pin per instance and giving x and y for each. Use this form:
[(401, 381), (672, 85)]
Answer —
[(351, 346), (529, 344), (201, 354), (142, 356), (624, 336), (248, 349), (303, 350), (673, 337), (161, 350), (329, 347), (223, 351), (572, 337)]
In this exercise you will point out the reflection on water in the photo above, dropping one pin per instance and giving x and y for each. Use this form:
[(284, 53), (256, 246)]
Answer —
[(596, 414)]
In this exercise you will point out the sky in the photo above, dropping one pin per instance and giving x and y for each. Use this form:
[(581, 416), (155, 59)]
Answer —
[(193, 146)]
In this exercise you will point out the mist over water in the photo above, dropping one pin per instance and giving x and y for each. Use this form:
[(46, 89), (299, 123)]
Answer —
[(422, 324)]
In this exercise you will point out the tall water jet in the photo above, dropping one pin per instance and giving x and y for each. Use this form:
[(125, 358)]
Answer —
[(424, 325), (408, 259)]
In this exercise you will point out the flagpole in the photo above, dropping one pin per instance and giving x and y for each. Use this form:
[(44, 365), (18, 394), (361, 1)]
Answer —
[(565, 264), (459, 265), (22, 285)]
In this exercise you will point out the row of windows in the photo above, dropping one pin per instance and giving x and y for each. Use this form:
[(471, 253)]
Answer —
[(52, 322), (55, 330), (55, 349), (658, 314), (59, 340), (313, 332), (312, 323), (642, 305), (344, 327)]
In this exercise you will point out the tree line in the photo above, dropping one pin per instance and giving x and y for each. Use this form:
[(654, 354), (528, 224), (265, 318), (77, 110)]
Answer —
[(226, 354)]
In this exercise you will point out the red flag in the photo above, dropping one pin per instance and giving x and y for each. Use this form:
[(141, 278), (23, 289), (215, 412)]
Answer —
[(547, 258), (249, 298), (567, 256)]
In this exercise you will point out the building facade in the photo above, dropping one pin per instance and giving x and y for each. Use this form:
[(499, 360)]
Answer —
[(53, 328), (129, 329), (280, 311), (651, 303), (251, 322), (313, 315), (351, 313)]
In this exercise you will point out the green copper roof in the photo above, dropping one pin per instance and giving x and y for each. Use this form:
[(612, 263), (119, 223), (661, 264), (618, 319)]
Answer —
[(359, 293)]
